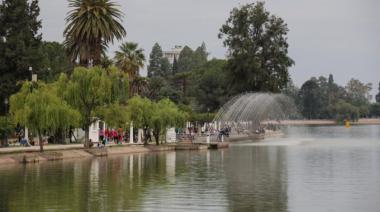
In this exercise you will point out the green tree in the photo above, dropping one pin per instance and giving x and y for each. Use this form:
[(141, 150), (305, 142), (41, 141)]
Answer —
[(20, 44), (378, 95), (130, 58), (90, 89), (140, 112), (55, 61), (344, 110), (358, 92), (165, 114), (115, 115), (38, 107), (163, 88), (310, 99), (91, 25), (140, 86), (166, 68), (200, 56), (6, 129), (258, 49), (155, 57), (375, 110), (185, 60), (209, 85), (106, 62), (175, 66)]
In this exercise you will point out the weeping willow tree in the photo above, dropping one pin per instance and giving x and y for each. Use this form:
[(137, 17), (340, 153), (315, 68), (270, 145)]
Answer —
[(38, 107), (165, 114), (157, 116), (90, 90)]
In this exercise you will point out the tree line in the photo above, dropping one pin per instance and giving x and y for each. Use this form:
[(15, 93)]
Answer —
[(78, 78)]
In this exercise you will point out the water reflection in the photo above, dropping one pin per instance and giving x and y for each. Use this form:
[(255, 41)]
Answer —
[(257, 179), (327, 169)]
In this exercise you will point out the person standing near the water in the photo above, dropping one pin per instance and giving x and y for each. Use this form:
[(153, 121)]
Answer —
[(101, 134)]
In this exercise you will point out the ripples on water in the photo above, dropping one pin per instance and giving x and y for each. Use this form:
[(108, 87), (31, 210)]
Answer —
[(309, 169)]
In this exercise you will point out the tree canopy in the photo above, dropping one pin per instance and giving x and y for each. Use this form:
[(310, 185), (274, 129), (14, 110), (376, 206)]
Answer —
[(20, 44), (87, 90), (258, 50), (38, 107), (91, 26)]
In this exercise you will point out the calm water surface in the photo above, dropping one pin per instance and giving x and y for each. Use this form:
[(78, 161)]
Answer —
[(308, 169)]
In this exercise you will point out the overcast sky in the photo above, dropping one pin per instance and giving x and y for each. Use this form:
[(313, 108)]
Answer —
[(341, 37)]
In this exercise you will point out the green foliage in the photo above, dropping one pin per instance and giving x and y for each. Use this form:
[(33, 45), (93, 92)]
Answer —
[(155, 58), (190, 60), (158, 116), (55, 61), (310, 99), (202, 117), (375, 110), (115, 115), (130, 59), (258, 49), (344, 110), (209, 85), (357, 92), (90, 89), (185, 60), (378, 95), (6, 126), (38, 107), (20, 43), (91, 25), (165, 114), (106, 62), (140, 111)]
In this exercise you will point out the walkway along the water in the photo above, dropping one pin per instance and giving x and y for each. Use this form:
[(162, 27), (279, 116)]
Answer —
[(15, 155)]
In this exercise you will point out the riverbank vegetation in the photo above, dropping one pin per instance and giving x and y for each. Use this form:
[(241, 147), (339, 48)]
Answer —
[(79, 78)]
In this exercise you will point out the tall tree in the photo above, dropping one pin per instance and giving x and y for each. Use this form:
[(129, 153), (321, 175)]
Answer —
[(20, 43), (155, 58), (378, 95), (186, 60), (310, 99), (130, 58), (88, 90), (358, 92), (200, 56), (55, 61), (175, 66), (91, 25), (258, 49), (38, 107), (209, 87)]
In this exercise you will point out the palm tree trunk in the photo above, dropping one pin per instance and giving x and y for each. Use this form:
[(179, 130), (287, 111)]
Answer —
[(97, 53)]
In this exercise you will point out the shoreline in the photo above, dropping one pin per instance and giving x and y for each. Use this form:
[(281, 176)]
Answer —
[(14, 156), (366, 121)]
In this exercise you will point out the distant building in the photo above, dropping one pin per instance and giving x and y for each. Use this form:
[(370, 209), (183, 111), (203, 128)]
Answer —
[(173, 53)]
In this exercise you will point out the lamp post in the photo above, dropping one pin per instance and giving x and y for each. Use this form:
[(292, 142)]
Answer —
[(6, 102)]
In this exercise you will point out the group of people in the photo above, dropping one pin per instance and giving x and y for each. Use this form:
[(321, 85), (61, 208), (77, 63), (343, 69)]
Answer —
[(115, 135)]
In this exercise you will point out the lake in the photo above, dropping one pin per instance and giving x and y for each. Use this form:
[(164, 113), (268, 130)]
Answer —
[(319, 168)]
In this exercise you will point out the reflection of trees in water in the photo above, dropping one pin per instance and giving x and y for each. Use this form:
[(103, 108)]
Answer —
[(257, 179), (98, 184)]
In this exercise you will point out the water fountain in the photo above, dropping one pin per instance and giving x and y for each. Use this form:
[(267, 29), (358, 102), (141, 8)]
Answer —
[(255, 113)]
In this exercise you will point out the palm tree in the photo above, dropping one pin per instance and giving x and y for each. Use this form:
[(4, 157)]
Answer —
[(130, 59), (91, 25), (140, 86)]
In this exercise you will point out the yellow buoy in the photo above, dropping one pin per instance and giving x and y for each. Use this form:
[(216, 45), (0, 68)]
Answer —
[(347, 124)]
